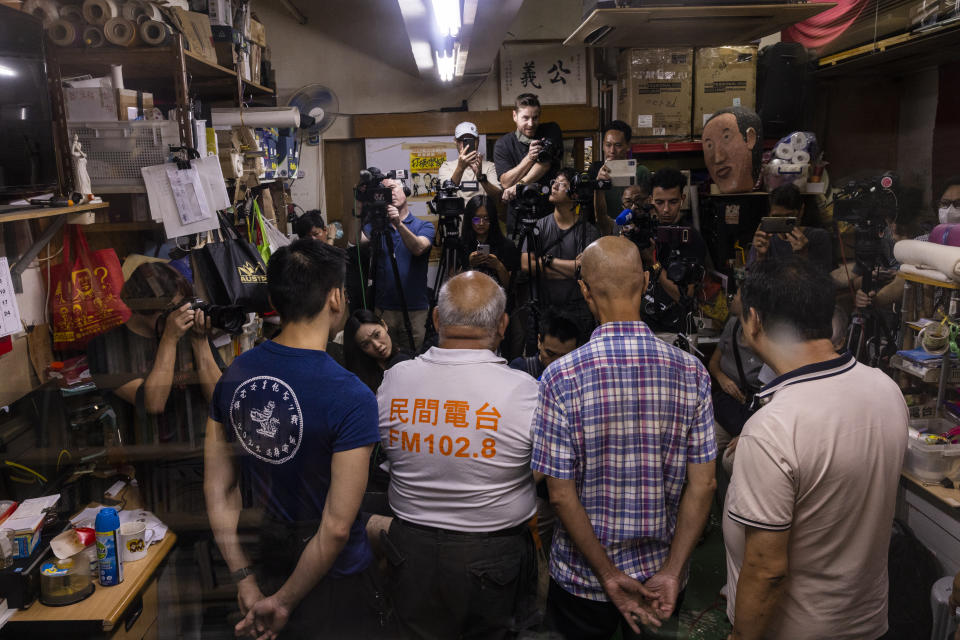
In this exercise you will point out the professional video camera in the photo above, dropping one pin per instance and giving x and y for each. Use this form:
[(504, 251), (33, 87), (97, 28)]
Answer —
[(532, 203), (448, 207), (868, 205), (583, 186), (229, 317), (374, 197)]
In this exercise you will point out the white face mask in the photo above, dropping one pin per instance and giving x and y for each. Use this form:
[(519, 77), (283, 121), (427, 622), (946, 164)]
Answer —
[(949, 215)]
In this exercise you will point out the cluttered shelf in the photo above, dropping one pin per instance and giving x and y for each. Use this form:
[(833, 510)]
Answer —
[(903, 52), (128, 452), (149, 62), (33, 213), (950, 497)]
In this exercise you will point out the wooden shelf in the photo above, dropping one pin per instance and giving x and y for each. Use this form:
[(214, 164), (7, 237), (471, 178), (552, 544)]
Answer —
[(649, 148), (108, 227), (35, 213), (149, 63), (912, 277), (692, 26), (950, 497), (899, 54)]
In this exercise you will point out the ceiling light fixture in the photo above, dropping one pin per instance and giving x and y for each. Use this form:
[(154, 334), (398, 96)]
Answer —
[(446, 13), (446, 64)]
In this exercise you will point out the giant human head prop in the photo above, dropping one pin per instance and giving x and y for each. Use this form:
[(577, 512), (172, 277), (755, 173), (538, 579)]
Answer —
[(732, 149)]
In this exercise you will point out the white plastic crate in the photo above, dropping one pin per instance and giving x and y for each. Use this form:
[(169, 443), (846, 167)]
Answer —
[(116, 151)]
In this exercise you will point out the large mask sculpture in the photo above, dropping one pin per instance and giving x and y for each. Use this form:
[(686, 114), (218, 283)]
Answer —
[(732, 149)]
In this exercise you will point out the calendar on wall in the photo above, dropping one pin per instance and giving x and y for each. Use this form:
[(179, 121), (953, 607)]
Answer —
[(9, 312)]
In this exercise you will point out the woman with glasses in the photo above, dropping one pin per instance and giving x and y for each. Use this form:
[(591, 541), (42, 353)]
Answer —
[(483, 246)]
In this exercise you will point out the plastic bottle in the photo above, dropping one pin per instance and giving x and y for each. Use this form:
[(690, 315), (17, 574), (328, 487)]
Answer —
[(108, 547)]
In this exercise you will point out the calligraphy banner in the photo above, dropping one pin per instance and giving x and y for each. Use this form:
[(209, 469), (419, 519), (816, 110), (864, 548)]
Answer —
[(555, 73)]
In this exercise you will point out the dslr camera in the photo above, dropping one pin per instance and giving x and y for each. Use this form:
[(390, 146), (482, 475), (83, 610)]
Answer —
[(583, 187), (547, 150), (227, 317), (533, 202), (639, 225)]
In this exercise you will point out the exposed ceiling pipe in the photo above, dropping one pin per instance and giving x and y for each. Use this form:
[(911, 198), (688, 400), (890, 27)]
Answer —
[(295, 13)]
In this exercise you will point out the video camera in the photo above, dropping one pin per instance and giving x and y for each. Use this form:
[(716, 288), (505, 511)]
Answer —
[(867, 202), (682, 271), (448, 207), (374, 197), (582, 187), (639, 225), (532, 203)]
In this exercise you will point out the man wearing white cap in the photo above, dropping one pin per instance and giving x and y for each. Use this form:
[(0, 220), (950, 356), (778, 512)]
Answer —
[(470, 165)]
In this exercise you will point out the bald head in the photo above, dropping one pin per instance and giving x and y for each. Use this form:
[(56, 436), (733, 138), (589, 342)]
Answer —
[(471, 299), (612, 268)]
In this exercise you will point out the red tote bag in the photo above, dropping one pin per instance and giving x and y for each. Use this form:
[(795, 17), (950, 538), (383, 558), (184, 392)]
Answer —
[(85, 292)]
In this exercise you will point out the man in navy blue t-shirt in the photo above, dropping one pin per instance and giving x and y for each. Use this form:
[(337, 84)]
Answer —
[(298, 429), (412, 240)]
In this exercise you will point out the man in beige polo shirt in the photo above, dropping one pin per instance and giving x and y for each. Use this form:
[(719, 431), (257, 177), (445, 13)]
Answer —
[(811, 502)]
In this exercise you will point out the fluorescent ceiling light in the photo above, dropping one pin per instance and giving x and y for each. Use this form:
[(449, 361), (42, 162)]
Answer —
[(446, 64), (469, 12), (7, 71), (446, 13), (422, 53), (461, 65)]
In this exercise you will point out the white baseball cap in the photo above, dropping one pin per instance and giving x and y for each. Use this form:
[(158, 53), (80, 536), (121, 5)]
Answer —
[(466, 129)]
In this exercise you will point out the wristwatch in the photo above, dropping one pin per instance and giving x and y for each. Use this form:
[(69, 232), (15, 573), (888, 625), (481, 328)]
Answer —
[(547, 259), (240, 574), (656, 269)]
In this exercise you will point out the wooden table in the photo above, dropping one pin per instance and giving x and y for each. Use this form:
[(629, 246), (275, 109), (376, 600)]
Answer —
[(950, 497), (127, 611)]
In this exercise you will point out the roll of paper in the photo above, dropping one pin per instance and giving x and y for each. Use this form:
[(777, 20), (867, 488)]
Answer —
[(799, 140), (45, 10), (93, 37), (121, 32), (64, 33), (116, 75), (929, 255), (140, 11), (785, 152), (97, 12), (281, 117), (72, 12), (801, 157), (154, 32)]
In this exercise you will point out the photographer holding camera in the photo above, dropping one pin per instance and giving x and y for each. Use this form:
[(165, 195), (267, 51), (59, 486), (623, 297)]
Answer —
[(667, 196), (616, 146), (521, 158), (470, 166), (164, 345), (412, 241), (562, 237), (811, 243)]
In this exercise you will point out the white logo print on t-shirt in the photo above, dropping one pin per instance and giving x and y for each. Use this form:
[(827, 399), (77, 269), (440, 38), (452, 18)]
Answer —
[(267, 419)]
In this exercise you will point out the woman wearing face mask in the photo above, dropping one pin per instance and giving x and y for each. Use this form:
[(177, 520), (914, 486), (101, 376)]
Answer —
[(948, 207), (368, 350)]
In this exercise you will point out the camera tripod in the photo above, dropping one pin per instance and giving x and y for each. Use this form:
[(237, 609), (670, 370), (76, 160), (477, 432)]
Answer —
[(378, 231), (869, 337)]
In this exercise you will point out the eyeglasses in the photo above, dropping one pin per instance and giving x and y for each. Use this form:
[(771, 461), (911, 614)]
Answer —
[(479, 220), (563, 184), (945, 204), (631, 202)]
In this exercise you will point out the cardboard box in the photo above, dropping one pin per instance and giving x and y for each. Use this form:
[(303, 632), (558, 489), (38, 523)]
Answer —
[(255, 62), (655, 92), (725, 77), (127, 107), (196, 30), (258, 33), (221, 12)]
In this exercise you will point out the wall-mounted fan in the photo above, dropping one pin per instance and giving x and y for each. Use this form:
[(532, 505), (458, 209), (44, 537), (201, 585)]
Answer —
[(319, 103)]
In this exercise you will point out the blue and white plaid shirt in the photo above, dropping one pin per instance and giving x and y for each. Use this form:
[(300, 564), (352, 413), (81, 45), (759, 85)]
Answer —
[(622, 416)]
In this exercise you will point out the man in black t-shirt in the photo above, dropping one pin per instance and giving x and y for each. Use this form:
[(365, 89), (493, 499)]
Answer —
[(515, 154)]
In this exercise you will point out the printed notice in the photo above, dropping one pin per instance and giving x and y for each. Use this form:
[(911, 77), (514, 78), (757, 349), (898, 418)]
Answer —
[(9, 311), (644, 122)]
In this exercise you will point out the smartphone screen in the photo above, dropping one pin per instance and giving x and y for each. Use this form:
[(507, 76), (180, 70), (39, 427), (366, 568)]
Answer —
[(471, 145)]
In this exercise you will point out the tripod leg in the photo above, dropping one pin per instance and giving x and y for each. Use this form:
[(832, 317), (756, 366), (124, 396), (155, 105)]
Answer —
[(398, 283)]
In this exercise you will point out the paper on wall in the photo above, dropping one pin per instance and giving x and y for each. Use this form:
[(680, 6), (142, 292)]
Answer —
[(9, 311), (163, 203)]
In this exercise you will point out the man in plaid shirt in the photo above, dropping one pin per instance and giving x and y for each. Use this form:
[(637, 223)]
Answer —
[(620, 424)]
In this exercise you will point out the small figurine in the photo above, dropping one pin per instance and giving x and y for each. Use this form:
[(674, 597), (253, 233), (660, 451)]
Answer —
[(81, 180)]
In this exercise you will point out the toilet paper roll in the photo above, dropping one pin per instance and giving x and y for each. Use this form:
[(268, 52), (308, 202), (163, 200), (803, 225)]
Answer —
[(154, 32), (929, 255), (801, 157), (45, 10), (799, 140), (97, 12), (72, 12), (64, 33), (121, 32), (785, 152), (140, 10), (281, 117), (93, 37)]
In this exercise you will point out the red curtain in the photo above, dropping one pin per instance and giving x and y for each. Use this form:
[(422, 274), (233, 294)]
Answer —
[(825, 27)]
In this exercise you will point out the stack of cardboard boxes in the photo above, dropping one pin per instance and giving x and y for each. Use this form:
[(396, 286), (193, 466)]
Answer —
[(668, 94)]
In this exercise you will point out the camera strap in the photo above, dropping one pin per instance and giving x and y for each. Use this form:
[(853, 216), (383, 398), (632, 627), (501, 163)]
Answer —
[(545, 250)]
